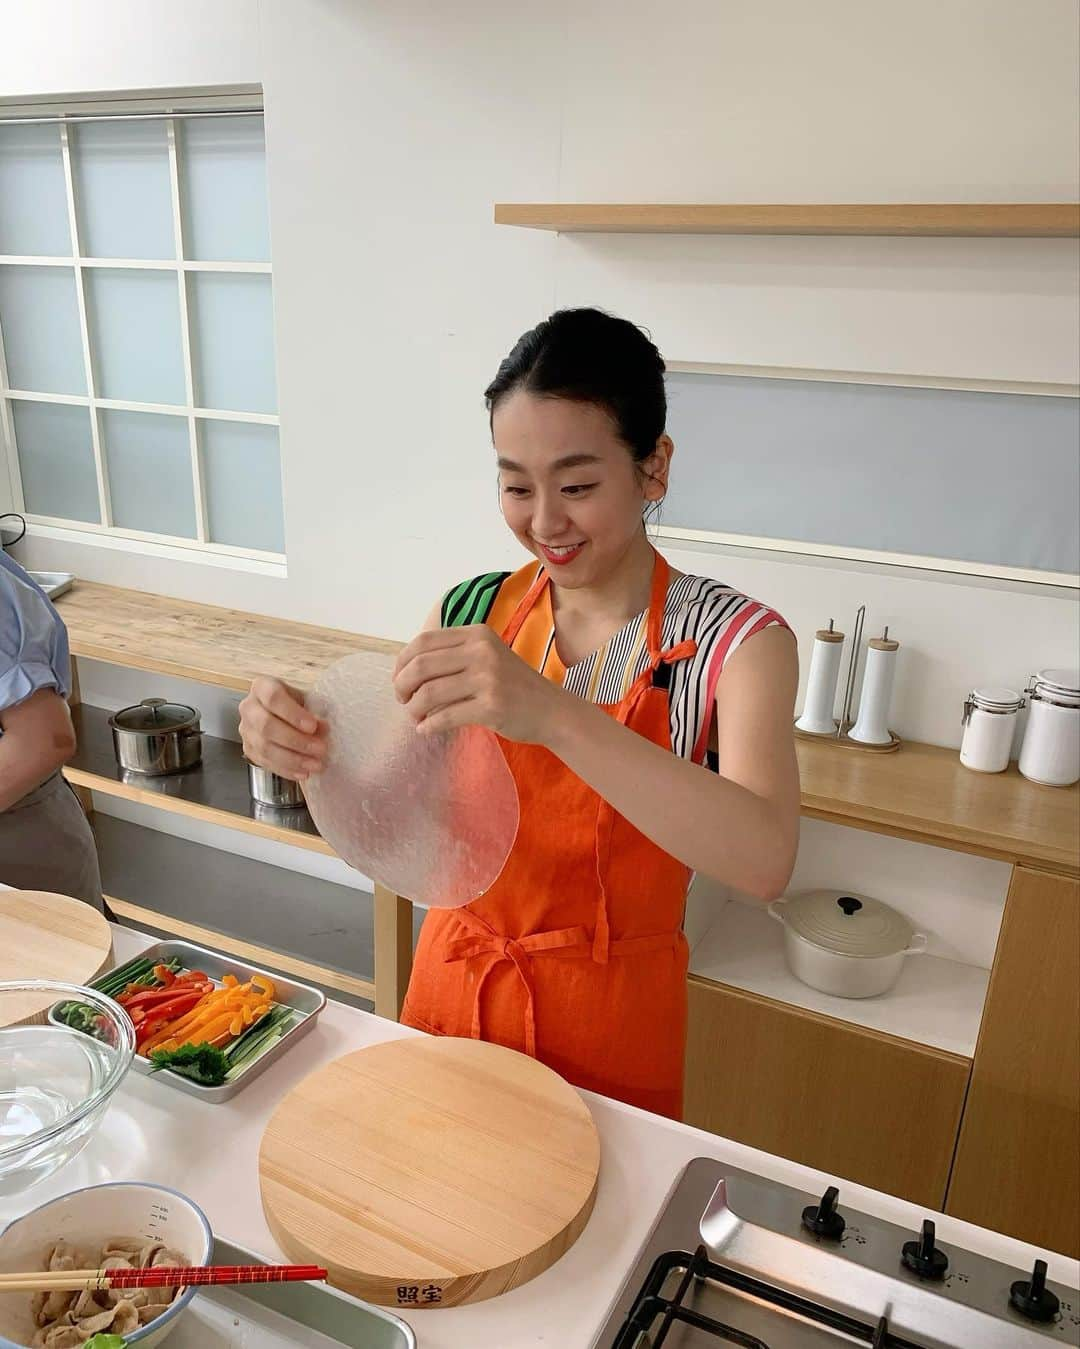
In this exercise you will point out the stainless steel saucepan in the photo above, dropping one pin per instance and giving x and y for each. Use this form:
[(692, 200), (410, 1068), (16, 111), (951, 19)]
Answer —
[(271, 789), (155, 737)]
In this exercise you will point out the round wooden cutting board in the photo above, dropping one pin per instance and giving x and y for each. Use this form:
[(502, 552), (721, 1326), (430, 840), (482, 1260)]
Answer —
[(45, 936), (429, 1172)]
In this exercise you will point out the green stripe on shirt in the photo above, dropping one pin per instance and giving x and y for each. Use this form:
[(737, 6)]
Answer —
[(471, 601)]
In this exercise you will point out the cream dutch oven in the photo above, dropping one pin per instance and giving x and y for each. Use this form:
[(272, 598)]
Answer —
[(849, 945)]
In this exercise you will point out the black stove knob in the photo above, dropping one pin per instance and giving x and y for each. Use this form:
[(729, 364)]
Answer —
[(823, 1219), (1032, 1298), (923, 1257)]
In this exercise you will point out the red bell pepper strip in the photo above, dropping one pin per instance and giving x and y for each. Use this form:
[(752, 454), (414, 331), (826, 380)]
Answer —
[(156, 1018), (183, 1002), (155, 997)]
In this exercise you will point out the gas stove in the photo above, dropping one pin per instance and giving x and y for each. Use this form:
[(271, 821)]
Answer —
[(735, 1259)]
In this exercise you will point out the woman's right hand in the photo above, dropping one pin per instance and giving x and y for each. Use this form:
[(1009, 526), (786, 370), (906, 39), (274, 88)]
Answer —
[(279, 733)]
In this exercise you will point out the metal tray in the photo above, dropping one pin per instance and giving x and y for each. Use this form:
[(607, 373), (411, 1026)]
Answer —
[(282, 1315), (54, 583), (302, 997)]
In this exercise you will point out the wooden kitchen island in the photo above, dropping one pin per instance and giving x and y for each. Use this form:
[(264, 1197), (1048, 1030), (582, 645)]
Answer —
[(992, 1138)]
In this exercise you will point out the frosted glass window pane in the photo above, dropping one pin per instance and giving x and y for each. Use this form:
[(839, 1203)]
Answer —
[(122, 190), (33, 198), (148, 456), (946, 473), (232, 333), (39, 317), (223, 189), (56, 460), (134, 321), (242, 474)]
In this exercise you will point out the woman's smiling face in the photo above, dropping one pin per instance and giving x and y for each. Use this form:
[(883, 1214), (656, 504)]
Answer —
[(568, 485)]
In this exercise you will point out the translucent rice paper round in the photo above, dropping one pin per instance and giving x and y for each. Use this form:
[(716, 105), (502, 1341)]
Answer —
[(432, 818)]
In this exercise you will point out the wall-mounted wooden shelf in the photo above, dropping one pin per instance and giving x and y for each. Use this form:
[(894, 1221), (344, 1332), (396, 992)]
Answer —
[(1034, 220)]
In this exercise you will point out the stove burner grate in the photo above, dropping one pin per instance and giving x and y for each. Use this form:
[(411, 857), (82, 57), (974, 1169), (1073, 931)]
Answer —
[(653, 1315)]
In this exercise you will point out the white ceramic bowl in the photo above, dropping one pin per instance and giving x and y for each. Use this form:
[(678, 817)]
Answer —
[(91, 1216)]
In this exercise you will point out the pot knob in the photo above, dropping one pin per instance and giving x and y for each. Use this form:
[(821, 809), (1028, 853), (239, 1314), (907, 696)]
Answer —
[(922, 1257), (822, 1218), (1032, 1298)]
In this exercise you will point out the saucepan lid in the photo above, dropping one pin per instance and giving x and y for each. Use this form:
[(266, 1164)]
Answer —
[(433, 818), (849, 924), (154, 716)]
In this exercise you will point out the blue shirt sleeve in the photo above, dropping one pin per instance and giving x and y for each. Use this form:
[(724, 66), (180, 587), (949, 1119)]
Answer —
[(33, 640)]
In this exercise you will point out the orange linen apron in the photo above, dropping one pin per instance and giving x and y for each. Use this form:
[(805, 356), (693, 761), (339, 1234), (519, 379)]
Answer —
[(576, 954)]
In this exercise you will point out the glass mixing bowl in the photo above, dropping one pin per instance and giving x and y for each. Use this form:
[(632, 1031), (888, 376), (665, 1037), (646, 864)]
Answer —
[(56, 1080)]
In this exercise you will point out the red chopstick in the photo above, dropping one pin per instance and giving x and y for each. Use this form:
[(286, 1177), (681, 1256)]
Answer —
[(164, 1276)]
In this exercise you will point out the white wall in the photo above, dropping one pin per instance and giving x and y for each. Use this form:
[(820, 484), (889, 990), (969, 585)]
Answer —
[(109, 46), (392, 129)]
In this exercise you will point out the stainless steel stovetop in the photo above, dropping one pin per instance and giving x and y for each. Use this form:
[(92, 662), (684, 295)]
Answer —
[(737, 1260)]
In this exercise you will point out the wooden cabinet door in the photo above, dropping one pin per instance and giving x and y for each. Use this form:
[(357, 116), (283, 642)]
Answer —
[(854, 1103), (1018, 1161)]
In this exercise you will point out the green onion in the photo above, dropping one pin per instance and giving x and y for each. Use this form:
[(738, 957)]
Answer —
[(138, 971), (258, 1038)]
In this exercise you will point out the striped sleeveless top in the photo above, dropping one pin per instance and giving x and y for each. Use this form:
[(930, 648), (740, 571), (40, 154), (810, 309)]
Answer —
[(717, 617)]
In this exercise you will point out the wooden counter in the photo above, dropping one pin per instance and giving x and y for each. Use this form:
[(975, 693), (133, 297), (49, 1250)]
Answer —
[(224, 647), (921, 793)]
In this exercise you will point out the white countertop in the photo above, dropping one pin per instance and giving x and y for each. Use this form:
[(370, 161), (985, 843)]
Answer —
[(152, 1132)]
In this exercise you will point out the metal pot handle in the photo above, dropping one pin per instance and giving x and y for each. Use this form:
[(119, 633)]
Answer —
[(918, 945), (774, 910)]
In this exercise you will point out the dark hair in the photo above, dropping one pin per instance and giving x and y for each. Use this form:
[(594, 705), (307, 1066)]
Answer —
[(588, 356)]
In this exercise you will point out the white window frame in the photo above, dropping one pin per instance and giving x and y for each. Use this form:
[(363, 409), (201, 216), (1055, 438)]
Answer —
[(840, 552), (107, 533)]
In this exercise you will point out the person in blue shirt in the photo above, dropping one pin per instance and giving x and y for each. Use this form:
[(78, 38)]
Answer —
[(45, 839)]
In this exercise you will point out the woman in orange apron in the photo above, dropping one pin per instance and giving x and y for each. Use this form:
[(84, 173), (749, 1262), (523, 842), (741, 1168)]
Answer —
[(608, 679)]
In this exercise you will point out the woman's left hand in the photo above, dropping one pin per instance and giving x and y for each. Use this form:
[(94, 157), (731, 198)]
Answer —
[(468, 676)]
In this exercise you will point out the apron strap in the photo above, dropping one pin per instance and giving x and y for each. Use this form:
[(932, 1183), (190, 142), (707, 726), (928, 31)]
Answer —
[(657, 674), (524, 609), (480, 939)]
